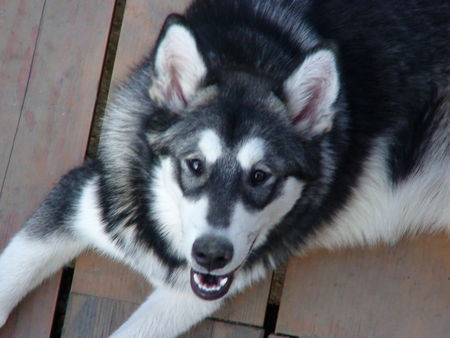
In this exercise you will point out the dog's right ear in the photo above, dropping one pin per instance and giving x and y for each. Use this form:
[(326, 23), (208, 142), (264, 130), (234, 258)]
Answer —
[(178, 67), (311, 92)]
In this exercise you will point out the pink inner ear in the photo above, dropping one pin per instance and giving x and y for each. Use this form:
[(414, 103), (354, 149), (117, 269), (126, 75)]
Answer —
[(180, 96), (174, 90), (178, 91), (307, 113)]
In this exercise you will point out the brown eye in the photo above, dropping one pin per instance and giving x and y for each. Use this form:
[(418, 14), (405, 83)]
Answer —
[(258, 177), (195, 166)]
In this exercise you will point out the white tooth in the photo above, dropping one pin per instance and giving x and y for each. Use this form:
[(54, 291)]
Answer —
[(213, 288), (208, 288), (197, 279)]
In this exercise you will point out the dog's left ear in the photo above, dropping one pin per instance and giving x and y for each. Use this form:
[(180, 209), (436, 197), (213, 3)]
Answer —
[(311, 92), (178, 66)]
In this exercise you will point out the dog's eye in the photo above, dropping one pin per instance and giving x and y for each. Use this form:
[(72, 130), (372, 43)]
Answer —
[(258, 177), (195, 166)]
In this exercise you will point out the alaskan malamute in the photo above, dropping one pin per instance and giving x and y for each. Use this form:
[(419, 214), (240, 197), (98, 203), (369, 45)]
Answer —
[(255, 130)]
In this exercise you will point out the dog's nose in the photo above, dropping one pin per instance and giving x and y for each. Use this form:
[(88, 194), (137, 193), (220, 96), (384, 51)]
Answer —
[(212, 252)]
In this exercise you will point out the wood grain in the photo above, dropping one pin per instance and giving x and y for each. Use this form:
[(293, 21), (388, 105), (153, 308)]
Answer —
[(53, 127), (98, 276), (248, 307), (95, 317), (401, 291), (98, 317), (217, 329), (19, 24)]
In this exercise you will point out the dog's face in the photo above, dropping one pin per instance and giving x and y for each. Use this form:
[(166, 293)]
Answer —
[(232, 163), (225, 179)]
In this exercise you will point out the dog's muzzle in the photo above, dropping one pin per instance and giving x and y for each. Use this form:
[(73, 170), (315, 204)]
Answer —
[(211, 253)]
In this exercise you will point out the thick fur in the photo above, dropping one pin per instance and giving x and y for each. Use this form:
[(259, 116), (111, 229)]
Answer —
[(343, 108)]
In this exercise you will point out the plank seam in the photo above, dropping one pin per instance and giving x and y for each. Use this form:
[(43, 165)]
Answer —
[(106, 76), (234, 322), (272, 310)]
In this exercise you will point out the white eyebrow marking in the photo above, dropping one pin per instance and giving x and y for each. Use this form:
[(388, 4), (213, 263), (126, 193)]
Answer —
[(251, 152), (210, 145)]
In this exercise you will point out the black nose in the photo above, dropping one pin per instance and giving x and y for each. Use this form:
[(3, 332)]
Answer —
[(212, 252)]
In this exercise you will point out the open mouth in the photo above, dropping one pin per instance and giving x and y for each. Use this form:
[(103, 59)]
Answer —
[(210, 287)]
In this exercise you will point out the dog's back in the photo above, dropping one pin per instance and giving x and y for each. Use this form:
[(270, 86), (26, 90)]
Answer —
[(395, 71)]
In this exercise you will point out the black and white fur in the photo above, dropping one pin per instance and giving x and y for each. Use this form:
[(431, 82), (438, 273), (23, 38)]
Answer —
[(255, 130)]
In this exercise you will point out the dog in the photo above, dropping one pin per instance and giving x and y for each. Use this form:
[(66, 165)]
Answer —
[(253, 131)]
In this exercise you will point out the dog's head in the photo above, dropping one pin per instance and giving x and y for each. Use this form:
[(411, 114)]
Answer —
[(233, 159)]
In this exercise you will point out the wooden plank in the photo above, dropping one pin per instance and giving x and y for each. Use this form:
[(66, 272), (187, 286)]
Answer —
[(100, 277), (401, 291), (248, 307), (19, 24), (53, 130), (95, 317), (98, 317), (96, 276), (217, 329)]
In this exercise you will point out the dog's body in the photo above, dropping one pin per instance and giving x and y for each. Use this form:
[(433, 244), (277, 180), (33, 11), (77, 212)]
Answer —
[(255, 130)]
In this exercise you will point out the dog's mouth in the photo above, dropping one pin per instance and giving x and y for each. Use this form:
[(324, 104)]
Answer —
[(210, 287)]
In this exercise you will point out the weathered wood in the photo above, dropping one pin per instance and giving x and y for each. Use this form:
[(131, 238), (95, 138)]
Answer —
[(248, 307), (99, 277), (95, 317), (53, 127), (19, 24), (98, 317), (217, 329), (401, 291)]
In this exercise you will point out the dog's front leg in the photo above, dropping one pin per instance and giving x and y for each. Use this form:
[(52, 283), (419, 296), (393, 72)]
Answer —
[(28, 260), (166, 313)]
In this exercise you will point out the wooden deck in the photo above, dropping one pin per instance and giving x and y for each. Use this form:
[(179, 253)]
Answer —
[(52, 56)]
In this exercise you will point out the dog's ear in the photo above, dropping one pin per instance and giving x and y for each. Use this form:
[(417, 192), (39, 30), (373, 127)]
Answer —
[(178, 66), (311, 92)]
